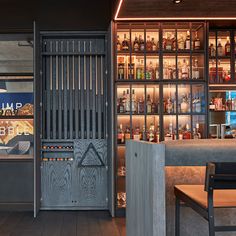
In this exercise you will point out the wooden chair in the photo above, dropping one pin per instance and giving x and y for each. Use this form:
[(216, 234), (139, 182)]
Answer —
[(219, 192)]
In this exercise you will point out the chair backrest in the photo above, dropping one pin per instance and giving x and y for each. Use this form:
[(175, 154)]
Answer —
[(220, 175)]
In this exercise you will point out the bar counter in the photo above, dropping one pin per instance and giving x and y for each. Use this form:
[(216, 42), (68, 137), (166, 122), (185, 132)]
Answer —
[(152, 172)]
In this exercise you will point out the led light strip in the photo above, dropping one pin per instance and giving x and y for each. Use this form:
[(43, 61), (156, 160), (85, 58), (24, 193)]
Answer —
[(164, 18)]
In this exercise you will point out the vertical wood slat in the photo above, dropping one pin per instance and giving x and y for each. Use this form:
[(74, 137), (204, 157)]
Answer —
[(65, 92), (88, 96), (59, 71), (99, 98), (82, 96), (48, 109), (54, 100), (94, 96), (76, 79), (70, 72)]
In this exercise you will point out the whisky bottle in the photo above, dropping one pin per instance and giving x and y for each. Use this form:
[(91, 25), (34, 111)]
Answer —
[(180, 132), (181, 42), (157, 71), (118, 44), (197, 42), (150, 72), (195, 73), (131, 70), (187, 133), (127, 102), (184, 105), (140, 108), (134, 102), (136, 44), (168, 43), (125, 44), (154, 46), (227, 47), (120, 107), (137, 134), (212, 74), (149, 104), (185, 70), (148, 44), (157, 138), (127, 133), (140, 70), (220, 48), (212, 105), (169, 105), (174, 42), (143, 133), (121, 68), (120, 135), (212, 50), (151, 133), (141, 43), (187, 41)]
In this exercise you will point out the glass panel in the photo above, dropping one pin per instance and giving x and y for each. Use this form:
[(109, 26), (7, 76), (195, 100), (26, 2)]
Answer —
[(223, 43), (212, 44), (198, 98), (199, 127), (184, 98), (198, 70), (152, 68), (198, 36), (153, 130), (169, 127), (184, 127), (123, 42), (183, 67), (224, 71), (169, 98), (138, 127), (212, 71), (123, 126), (169, 67), (152, 99), (123, 99), (121, 170), (137, 99)]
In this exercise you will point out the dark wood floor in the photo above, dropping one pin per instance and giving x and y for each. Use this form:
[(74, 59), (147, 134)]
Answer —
[(60, 223)]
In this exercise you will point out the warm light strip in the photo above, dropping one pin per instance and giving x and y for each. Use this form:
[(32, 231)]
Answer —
[(165, 18)]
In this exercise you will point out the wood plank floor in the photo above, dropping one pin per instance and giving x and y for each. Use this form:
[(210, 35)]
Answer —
[(60, 223)]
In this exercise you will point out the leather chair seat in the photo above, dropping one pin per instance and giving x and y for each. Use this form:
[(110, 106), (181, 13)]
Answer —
[(222, 198)]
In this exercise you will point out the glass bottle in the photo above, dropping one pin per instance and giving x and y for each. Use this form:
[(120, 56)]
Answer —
[(180, 132), (140, 70), (219, 48), (127, 101), (187, 41), (121, 69), (150, 72), (168, 44), (195, 73), (227, 47), (212, 106), (118, 44), (134, 102), (140, 106), (157, 71), (169, 105), (120, 107), (187, 133), (181, 42), (137, 134), (144, 133), (157, 139), (127, 133), (198, 105), (131, 70), (141, 43), (136, 44), (212, 50), (125, 44), (197, 42), (151, 133), (195, 134), (154, 46), (149, 104), (184, 105), (148, 44), (120, 135), (124, 100), (185, 70)]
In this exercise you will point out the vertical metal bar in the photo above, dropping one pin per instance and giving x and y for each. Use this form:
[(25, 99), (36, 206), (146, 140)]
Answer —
[(54, 100), (48, 93), (65, 89), (87, 96), (76, 78), (59, 73), (81, 73), (70, 81), (99, 98), (94, 97)]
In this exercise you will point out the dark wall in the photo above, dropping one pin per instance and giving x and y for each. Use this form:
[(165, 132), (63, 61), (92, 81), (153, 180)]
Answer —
[(55, 14)]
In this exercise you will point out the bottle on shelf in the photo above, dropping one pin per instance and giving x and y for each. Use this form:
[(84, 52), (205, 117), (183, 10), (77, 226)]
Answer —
[(125, 44), (120, 106), (127, 101), (140, 106), (212, 74), (212, 106), (195, 72), (149, 104), (197, 42), (180, 132), (136, 44), (121, 68), (187, 132), (124, 100), (197, 105), (151, 133), (157, 71), (187, 41), (120, 135), (143, 133), (168, 42), (220, 48), (174, 41), (196, 132), (141, 43), (140, 70), (154, 107), (127, 133), (154, 45), (169, 106), (150, 71), (137, 134), (184, 105), (118, 44), (134, 102), (131, 70), (227, 47), (157, 139), (212, 50), (170, 134), (220, 72), (148, 44), (185, 70), (181, 42)]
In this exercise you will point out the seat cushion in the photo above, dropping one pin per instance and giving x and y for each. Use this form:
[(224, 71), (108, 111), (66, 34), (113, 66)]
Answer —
[(222, 198)]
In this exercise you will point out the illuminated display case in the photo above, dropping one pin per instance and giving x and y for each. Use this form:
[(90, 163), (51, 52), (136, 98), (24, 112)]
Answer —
[(160, 87)]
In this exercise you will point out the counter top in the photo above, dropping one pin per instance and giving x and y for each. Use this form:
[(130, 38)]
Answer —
[(198, 152)]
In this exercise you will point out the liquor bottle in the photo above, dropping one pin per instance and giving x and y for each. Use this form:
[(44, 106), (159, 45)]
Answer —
[(140, 108), (181, 42), (136, 44), (187, 41), (169, 105), (168, 43), (227, 47), (154, 107), (120, 135), (143, 133), (134, 102), (184, 105), (127, 101), (197, 42), (180, 132), (195, 134), (150, 72), (120, 107), (195, 73), (137, 134), (220, 71), (125, 44), (154, 46), (127, 133), (121, 69), (212, 106), (118, 44), (124, 100), (141, 43), (157, 138), (149, 104), (212, 74), (220, 48), (157, 71), (174, 42), (212, 50), (185, 70), (187, 133), (151, 133), (140, 70), (131, 71), (148, 44)]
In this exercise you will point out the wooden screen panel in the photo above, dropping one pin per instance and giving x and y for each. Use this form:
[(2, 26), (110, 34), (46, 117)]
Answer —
[(74, 75)]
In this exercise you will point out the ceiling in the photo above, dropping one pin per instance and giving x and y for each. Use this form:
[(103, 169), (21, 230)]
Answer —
[(167, 9)]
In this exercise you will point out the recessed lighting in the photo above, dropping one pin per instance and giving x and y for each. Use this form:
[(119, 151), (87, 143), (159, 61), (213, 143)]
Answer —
[(177, 1)]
